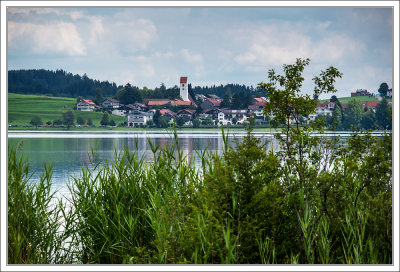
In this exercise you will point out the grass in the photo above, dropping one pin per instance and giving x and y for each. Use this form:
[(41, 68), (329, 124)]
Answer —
[(21, 109), (359, 98)]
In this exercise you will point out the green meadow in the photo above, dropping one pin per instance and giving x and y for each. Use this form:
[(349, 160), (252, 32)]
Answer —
[(21, 109), (359, 98)]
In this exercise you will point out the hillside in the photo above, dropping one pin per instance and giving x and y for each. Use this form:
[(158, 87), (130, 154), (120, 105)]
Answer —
[(359, 98), (21, 109)]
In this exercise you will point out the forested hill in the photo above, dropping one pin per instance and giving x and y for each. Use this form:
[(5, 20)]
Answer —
[(60, 83), (57, 83)]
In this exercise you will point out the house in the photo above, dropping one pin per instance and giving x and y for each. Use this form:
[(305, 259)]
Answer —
[(211, 104), (257, 110), (177, 102), (200, 97), (325, 109), (213, 96), (389, 93), (186, 113), (360, 92), (111, 104), (369, 105), (168, 113), (86, 105), (226, 116), (259, 101), (139, 118)]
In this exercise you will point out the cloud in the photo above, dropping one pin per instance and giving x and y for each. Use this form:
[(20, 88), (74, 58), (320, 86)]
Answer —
[(194, 58), (57, 37)]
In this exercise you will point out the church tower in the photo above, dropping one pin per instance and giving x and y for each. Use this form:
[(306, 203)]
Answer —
[(183, 86)]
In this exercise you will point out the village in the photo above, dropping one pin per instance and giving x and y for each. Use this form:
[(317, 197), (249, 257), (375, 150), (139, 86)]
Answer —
[(207, 111)]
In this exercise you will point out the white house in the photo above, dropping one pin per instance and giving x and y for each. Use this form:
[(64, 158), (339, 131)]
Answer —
[(85, 105), (225, 117), (183, 89), (110, 104), (136, 117), (325, 109)]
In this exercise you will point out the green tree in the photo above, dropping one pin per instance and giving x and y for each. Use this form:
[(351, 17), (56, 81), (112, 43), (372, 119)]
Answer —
[(337, 117), (368, 120), (105, 120), (180, 121), (79, 98), (226, 102), (334, 99), (383, 89), (57, 122), (112, 123), (156, 117), (353, 114), (234, 120), (89, 122), (48, 123), (150, 123), (80, 120), (208, 121), (163, 122), (68, 118), (129, 95), (382, 114), (99, 96), (36, 121), (196, 123)]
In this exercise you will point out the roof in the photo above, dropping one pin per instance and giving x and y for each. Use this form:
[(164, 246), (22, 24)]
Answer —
[(167, 111), (158, 102), (88, 101), (178, 102), (216, 103), (370, 104), (189, 111), (259, 100), (183, 80), (325, 104), (255, 107), (112, 100)]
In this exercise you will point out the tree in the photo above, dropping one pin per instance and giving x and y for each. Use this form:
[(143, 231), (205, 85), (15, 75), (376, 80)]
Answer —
[(79, 98), (57, 122), (334, 99), (234, 120), (156, 116), (129, 95), (150, 123), (105, 120), (208, 121), (180, 121), (196, 123), (48, 123), (226, 102), (353, 114), (68, 118), (36, 121), (163, 122), (337, 117), (383, 89), (89, 122), (99, 96), (382, 114), (368, 120), (112, 123), (80, 120)]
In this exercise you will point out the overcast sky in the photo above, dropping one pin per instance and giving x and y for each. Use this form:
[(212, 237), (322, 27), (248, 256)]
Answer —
[(150, 46)]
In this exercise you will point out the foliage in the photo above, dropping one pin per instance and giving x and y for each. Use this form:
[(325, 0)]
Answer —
[(105, 120), (129, 95), (368, 120), (383, 117), (163, 122), (98, 96), (180, 121), (383, 89), (156, 117), (196, 123), (353, 114), (68, 118), (80, 120), (89, 122), (36, 121), (112, 123)]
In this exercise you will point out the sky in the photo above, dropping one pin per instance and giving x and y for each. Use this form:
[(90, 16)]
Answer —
[(150, 46)]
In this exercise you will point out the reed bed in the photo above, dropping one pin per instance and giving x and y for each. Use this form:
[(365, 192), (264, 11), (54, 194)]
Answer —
[(247, 205)]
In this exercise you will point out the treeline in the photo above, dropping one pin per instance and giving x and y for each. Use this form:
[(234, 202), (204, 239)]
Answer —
[(57, 83), (63, 84)]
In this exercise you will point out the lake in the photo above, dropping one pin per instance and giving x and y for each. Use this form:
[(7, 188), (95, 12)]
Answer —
[(68, 151)]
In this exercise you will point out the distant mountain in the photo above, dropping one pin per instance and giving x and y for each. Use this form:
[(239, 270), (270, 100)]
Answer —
[(57, 83)]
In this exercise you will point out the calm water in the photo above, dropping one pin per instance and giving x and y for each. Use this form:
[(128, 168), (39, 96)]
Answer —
[(68, 151)]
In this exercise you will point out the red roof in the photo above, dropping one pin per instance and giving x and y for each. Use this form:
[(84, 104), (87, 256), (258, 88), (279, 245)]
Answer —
[(158, 102), (166, 111), (259, 101), (216, 103), (113, 100), (189, 111), (370, 104), (178, 102), (88, 101), (183, 79)]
